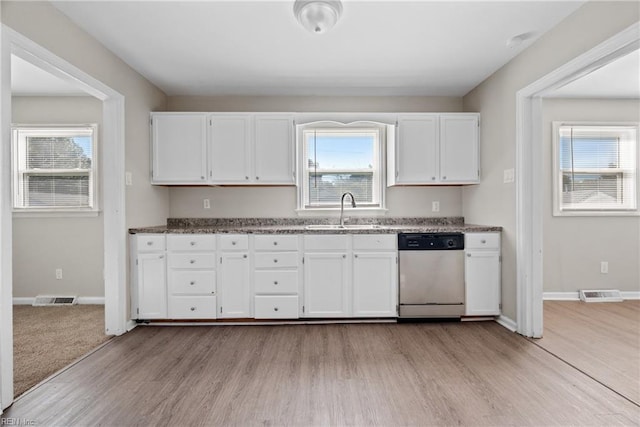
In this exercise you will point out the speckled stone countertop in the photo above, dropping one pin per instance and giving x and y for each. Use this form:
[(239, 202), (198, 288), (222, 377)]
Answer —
[(299, 226)]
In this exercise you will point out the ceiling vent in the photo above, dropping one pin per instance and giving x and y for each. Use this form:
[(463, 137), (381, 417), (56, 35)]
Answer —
[(46, 300), (606, 295)]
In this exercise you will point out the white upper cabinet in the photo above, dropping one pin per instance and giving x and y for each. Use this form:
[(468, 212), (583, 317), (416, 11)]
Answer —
[(416, 150), (459, 148), (179, 149), (274, 149), (434, 149), (223, 148), (230, 142)]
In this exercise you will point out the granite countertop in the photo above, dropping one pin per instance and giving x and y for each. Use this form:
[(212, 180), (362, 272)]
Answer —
[(299, 226)]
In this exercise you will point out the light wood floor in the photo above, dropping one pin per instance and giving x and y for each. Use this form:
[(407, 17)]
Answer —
[(600, 339), (316, 375)]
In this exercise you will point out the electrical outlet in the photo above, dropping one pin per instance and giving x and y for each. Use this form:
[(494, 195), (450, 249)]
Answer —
[(604, 267), (58, 274), (206, 203), (508, 176), (128, 178), (435, 206)]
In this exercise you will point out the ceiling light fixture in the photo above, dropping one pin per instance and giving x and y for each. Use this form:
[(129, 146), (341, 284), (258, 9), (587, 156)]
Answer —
[(317, 16)]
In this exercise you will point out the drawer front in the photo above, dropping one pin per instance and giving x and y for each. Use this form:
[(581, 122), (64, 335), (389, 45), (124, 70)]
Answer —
[(276, 307), (192, 260), (276, 282), (274, 242), (326, 242), (192, 282), (375, 241), (191, 242), (482, 240), (276, 260), (234, 242), (150, 242), (188, 307)]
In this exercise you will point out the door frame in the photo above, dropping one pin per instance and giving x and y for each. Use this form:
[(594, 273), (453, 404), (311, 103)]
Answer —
[(529, 173), (113, 207)]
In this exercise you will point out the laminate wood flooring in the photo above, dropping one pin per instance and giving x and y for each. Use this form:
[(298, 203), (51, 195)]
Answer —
[(600, 339), (316, 375)]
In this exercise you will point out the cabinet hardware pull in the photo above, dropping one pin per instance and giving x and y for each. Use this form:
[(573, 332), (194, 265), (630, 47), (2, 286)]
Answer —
[(193, 243), (468, 255), (275, 260), (246, 177), (483, 241), (275, 282), (244, 256), (344, 256), (149, 243), (193, 309), (192, 283), (257, 177), (161, 256), (275, 308), (193, 261), (233, 243), (433, 178), (356, 256), (444, 177), (201, 177), (275, 243)]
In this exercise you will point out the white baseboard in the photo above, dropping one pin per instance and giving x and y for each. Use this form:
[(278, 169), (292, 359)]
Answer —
[(81, 300), (575, 296), (507, 323)]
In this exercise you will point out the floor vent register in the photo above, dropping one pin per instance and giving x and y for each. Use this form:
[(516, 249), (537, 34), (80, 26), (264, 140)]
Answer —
[(605, 295)]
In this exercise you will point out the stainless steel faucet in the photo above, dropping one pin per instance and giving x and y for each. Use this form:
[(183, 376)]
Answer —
[(353, 205)]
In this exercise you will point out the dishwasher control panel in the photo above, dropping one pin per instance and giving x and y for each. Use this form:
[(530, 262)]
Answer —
[(430, 241)]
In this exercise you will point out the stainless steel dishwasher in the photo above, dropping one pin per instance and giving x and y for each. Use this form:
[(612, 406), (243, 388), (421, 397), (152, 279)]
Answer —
[(431, 270)]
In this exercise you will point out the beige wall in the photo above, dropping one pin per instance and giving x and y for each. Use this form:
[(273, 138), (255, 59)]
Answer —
[(281, 201), (42, 244), (493, 202), (45, 25), (574, 247)]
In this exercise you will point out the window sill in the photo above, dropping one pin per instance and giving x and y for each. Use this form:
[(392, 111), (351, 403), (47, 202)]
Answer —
[(348, 212), (629, 213), (54, 214)]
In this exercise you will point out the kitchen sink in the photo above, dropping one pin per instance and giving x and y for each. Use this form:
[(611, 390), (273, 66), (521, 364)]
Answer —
[(345, 227)]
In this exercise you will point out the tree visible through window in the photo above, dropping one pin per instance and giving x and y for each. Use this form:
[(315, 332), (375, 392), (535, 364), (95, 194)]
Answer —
[(54, 168), (596, 168)]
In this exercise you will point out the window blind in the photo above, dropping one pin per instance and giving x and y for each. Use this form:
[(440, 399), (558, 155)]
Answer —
[(597, 166)]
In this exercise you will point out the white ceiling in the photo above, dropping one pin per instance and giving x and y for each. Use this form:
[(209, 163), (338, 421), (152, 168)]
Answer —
[(618, 79), (29, 80), (437, 48)]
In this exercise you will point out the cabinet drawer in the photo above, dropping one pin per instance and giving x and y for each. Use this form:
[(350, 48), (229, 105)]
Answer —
[(326, 242), (276, 243), (192, 260), (192, 282), (276, 307), (191, 242), (150, 242), (375, 241), (188, 307), (482, 240), (276, 260), (276, 282), (234, 242)]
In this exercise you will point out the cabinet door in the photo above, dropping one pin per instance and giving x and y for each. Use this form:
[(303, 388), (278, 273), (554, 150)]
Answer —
[(375, 284), (152, 286), (273, 149), (482, 277), (179, 148), (459, 148), (326, 281), (416, 154), (234, 293), (230, 145)]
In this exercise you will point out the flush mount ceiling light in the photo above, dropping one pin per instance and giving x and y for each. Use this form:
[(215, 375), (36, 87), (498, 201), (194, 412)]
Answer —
[(317, 16)]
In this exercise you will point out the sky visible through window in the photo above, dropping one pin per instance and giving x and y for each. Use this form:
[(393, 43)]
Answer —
[(589, 153), (340, 151)]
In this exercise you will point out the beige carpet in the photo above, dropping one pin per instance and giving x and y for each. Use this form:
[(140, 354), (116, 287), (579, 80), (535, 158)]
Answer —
[(46, 339)]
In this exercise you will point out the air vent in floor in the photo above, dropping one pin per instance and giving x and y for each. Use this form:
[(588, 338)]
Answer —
[(605, 295), (43, 300)]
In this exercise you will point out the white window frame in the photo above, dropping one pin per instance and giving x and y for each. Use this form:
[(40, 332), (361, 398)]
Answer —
[(558, 207), (379, 170), (19, 133)]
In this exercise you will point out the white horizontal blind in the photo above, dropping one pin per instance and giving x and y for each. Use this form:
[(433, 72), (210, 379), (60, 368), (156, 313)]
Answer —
[(340, 160), (597, 167), (54, 168)]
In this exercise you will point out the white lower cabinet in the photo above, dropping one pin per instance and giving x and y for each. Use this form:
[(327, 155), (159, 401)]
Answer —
[(482, 274), (276, 276), (375, 277), (149, 276), (234, 299), (192, 276), (326, 284)]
